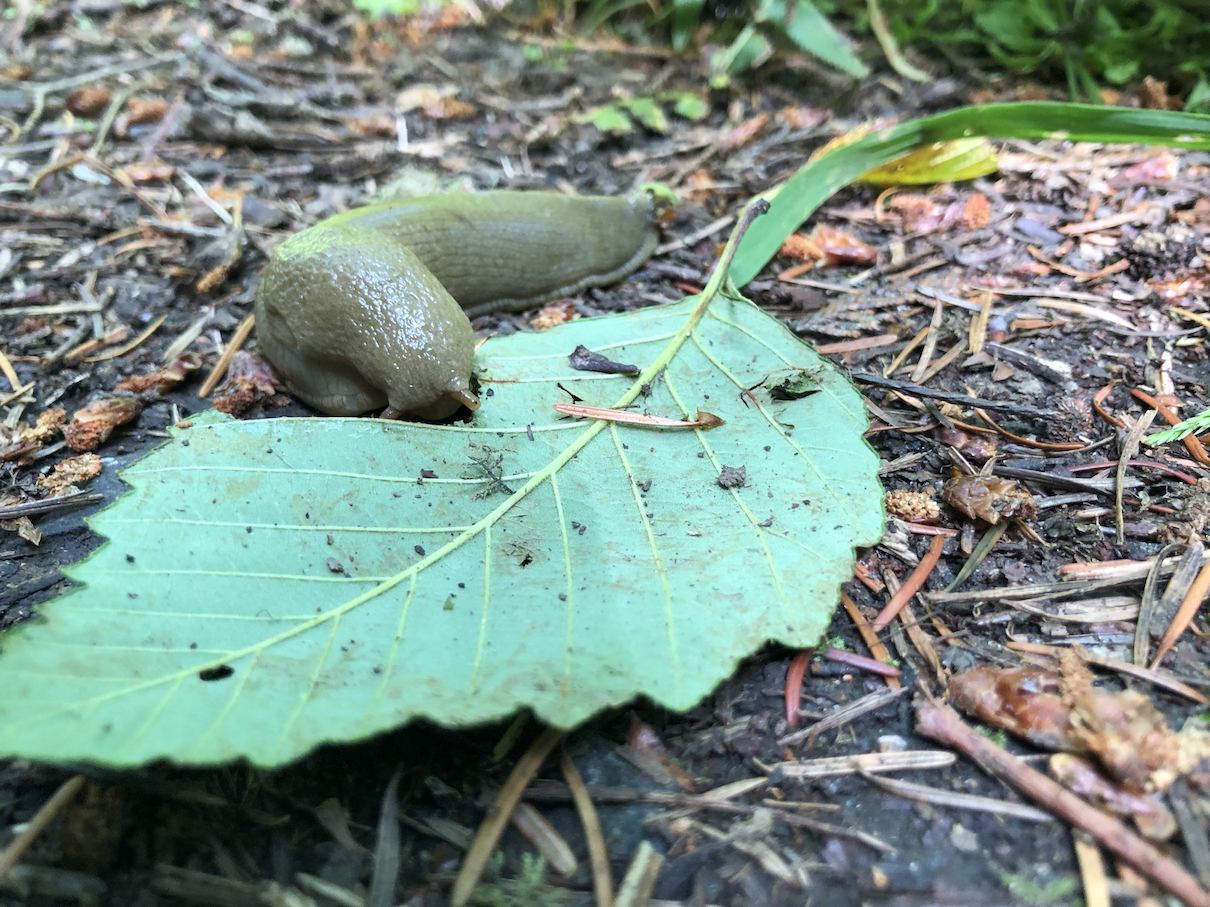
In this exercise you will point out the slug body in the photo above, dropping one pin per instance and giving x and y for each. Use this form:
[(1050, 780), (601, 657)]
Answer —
[(370, 307)]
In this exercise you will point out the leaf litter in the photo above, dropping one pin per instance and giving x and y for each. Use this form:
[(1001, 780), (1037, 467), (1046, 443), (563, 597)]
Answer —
[(1044, 191)]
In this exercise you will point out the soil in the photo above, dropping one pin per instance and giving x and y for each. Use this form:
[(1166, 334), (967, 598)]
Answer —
[(116, 210)]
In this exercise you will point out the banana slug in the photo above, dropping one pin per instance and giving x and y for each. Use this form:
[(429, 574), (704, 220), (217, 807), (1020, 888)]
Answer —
[(359, 311)]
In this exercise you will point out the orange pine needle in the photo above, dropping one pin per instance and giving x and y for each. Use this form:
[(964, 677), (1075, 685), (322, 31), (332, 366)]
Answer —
[(911, 585), (1098, 403), (877, 649), (1184, 614), (794, 676)]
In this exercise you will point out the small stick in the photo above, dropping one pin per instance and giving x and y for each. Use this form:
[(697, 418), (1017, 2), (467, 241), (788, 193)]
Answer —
[(498, 815), (1031, 412), (941, 723), (1092, 871), (1129, 448), (594, 836), (12, 854), (956, 800), (703, 420), (229, 351), (49, 505)]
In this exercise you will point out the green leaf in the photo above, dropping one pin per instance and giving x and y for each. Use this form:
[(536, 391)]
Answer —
[(648, 112), (799, 197), (381, 8), (690, 106), (811, 31), (749, 49), (609, 118), (1006, 25), (271, 585), (939, 162), (1121, 72), (1199, 95)]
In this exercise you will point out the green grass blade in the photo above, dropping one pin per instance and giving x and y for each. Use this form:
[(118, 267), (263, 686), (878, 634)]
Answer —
[(810, 30), (800, 196), (686, 14)]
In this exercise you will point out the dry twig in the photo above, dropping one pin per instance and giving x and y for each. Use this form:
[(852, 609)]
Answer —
[(942, 723)]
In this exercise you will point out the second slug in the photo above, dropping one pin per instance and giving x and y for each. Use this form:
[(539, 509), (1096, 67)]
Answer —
[(370, 307)]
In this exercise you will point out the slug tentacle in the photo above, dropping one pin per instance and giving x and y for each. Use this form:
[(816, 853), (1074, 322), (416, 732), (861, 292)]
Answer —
[(359, 310)]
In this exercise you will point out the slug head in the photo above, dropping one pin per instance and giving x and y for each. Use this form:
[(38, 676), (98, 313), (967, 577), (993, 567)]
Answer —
[(353, 321)]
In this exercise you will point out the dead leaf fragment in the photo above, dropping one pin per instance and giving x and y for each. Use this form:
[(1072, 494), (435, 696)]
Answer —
[(745, 132), (70, 474), (148, 172), (47, 425), (732, 477), (162, 380), (139, 111), (418, 28), (16, 72), (437, 102), (1128, 736), (249, 381), (585, 360), (1153, 94), (842, 248), (973, 445), (989, 498), (804, 117), (647, 752), (92, 425), (553, 314), (30, 438), (918, 213), (1123, 731), (1023, 701), (1081, 777), (24, 527), (976, 211), (88, 101), (829, 247), (1159, 168), (798, 246), (913, 506)]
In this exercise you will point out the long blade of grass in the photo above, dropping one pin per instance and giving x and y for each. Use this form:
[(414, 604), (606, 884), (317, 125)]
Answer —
[(800, 196), (686, 14), (810, 30)]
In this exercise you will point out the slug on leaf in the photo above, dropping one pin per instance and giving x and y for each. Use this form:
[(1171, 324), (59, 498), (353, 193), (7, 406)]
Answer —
[(369, 307)]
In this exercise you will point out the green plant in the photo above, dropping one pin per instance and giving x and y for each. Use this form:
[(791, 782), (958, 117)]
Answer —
[(1058, 891), (1086, 43), (753, 31), (1194, 425), (528, 889), (618, 117)]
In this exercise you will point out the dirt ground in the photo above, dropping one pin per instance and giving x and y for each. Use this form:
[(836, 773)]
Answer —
[(155, 154)]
